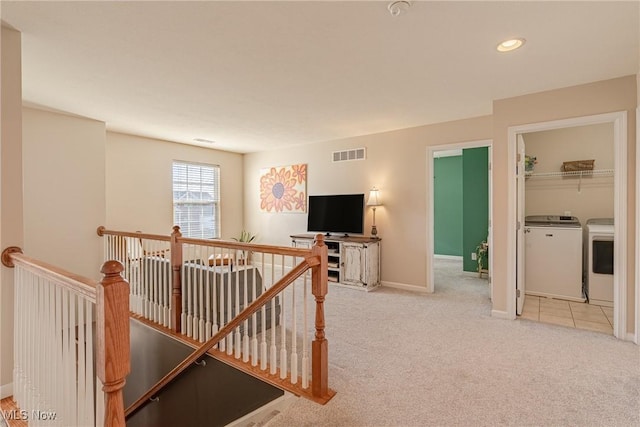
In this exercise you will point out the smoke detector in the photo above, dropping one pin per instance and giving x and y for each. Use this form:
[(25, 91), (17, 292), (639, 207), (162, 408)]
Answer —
[(397, 8)]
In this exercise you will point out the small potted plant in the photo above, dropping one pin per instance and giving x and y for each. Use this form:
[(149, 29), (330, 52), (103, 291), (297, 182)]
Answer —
[(245, 237), (530, 163), (481, 254)]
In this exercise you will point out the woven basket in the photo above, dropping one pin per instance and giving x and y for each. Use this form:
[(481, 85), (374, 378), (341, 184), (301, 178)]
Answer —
[(578, 165)]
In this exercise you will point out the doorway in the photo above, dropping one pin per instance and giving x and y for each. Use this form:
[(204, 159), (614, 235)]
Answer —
[(516, 226), (464, 248)]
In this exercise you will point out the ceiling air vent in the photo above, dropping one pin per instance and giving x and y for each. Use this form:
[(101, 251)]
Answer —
[(346, 155)]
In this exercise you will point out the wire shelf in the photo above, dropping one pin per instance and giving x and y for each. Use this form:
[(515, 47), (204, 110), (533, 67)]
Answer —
[(576, 174), (595, 172)]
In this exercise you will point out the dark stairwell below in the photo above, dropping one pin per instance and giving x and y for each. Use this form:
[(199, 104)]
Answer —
[(211, 394)]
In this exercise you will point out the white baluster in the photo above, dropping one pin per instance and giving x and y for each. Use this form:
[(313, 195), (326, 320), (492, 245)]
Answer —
[(167, 292), (186, 277), (305, 338), (207, 284), (81, 392), (201, 291), (263, 327), (228, 283), (238, 337), (273, 350), (283, 330), (65, 353), (254, 321), (100, 397), (222, 303), (294, 334), (193, 284), (59, 351), (36, 345), (156, 254), (73, 357), (183, 315), (89, 375), (156, 286), (214, 301)]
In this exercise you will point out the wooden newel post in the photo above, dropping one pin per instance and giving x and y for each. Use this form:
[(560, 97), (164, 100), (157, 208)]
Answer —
[(176, 287), (319, 346), (113, 339)]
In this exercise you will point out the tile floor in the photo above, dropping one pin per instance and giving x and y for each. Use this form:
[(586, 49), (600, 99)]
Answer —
[(568, 313)]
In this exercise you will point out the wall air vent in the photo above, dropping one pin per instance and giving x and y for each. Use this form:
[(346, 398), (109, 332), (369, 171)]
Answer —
[(346, 155)]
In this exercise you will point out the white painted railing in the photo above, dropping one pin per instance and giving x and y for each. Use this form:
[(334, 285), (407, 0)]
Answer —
[(212, 285), (218, 283), (150, 284), (64, 338)]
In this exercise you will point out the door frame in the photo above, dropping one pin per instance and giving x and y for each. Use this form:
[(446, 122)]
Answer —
[(619, 121), (637, 254), (431, 208)]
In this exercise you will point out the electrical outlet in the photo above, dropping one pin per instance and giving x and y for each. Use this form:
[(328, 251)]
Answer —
[(474, 256)]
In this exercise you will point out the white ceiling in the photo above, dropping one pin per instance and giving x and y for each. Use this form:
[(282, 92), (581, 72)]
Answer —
[(260, 75)]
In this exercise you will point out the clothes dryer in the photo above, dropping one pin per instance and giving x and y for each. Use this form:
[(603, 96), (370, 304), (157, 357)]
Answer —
[(599, 261)]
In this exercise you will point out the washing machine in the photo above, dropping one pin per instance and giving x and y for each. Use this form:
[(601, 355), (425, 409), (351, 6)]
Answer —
[(598, 284), (553, 257)]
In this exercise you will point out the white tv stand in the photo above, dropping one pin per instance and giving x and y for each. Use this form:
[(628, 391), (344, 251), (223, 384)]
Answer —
[(352, 261)]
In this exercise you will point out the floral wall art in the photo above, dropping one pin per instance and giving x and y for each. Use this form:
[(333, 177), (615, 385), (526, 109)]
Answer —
[(284, 189)]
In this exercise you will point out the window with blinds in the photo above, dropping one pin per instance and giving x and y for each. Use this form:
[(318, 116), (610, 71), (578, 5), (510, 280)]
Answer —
[(196, 199)]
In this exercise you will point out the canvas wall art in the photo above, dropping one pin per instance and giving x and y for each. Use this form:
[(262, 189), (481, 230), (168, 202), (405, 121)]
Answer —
[(284, 189)]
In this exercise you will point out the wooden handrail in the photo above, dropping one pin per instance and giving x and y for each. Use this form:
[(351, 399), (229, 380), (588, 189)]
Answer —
[(137, 234), (314, 258), (241, 246), (219, 243), (73, 282), (111, 298), (265, 297)]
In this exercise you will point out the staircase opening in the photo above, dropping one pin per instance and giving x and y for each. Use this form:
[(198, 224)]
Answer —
[(209, 393)]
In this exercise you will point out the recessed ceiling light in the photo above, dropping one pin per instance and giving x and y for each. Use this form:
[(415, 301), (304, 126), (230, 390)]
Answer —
[(509, 45), (206, 141)]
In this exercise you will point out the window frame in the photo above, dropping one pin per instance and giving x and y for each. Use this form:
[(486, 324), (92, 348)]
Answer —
[(199, 186)]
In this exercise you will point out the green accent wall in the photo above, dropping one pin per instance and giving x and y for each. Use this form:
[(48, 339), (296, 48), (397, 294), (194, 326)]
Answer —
[(448, 205), (475, 202)]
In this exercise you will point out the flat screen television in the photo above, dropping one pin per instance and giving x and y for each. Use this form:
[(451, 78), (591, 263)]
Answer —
[(337, 213)]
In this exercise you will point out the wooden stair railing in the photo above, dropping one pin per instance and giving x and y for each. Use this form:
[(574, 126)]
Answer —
[(228, 328), (51, 289), (182, 250)]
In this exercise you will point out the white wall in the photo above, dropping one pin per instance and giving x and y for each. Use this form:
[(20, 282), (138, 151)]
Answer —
[(396, 164), (576, 101), (64, 190), (555, 196), (139, 183), (11, 205)]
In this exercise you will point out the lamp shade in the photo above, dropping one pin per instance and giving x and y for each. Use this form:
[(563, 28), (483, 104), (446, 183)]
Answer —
[(374, 197)]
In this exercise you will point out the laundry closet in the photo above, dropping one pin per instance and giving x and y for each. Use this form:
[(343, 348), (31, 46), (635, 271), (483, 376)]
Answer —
[(569, 210)]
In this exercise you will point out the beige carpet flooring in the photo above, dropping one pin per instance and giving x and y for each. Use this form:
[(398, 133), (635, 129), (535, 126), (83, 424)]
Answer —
[(399, 358)]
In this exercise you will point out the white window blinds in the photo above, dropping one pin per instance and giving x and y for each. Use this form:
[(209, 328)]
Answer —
[(196, 199)]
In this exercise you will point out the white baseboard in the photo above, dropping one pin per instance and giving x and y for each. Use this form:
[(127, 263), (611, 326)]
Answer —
[(264, 414), (6, 390), (499, 314), (631, 337), (404, 286), (452, 257)]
